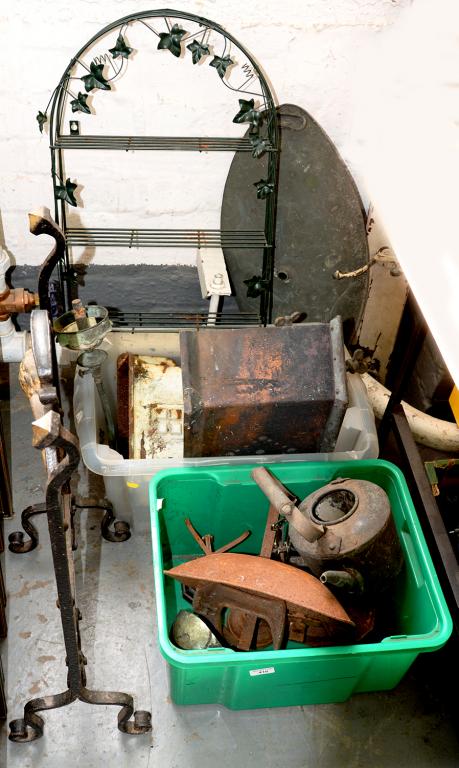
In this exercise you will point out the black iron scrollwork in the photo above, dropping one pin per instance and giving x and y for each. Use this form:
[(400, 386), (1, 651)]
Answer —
[(16, 538)]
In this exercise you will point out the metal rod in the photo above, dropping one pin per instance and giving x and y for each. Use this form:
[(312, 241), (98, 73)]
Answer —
[(6, 496), (166, 238), (214, 306), (128, 319), (171, 143)]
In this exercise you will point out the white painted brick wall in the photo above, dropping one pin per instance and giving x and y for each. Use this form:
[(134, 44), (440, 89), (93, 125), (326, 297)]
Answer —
[(308, 49)]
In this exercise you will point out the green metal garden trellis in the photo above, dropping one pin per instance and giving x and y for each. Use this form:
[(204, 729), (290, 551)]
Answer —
[(207, 41)]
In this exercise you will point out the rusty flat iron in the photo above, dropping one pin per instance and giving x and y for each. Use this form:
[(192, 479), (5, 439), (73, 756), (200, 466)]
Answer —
[(280, 594)]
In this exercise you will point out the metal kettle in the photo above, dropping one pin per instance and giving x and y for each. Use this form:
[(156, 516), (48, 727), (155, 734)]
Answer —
[(344, 532)]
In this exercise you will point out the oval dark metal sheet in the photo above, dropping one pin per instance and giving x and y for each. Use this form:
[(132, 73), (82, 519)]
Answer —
[(320, 225)]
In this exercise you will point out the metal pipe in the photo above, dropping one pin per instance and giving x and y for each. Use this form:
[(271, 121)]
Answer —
[(427, 430), (214, 305), (91, 361), (13, 343), (106, 408)]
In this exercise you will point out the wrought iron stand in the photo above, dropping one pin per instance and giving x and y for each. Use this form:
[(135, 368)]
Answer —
[(62, 457)]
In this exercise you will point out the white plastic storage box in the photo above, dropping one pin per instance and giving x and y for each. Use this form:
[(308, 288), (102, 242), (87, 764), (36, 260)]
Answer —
[(126, 480)]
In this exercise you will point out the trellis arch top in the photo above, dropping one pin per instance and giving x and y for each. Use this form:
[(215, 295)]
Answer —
[(86, 113), (91, 74)]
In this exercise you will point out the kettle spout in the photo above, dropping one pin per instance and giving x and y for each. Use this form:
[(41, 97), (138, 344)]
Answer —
[(348, 579)]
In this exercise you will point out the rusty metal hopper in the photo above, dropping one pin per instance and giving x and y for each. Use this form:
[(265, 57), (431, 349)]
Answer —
[(263, 390)]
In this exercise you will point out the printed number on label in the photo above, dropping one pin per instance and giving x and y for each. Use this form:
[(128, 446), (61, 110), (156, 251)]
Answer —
[(264, 671)]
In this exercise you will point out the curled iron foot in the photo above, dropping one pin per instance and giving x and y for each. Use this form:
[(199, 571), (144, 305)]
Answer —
[(16, 538), (141, 722), (121, 529), (26, 730), (30, 727)]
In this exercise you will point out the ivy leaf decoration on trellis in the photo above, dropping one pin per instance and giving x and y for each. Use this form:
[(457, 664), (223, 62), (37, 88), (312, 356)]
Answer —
[(79, 104), (65, 192), (248, 114), (95, 79), (198, 50), (256, 286), (172, 40), (259, 146), (41, 118), (264, 189), (221, 64), (120, 49)]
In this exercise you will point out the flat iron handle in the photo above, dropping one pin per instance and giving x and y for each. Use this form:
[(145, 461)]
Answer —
[(285, 504)]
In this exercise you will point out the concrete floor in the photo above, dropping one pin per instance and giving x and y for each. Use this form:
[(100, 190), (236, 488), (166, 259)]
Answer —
[(413, 725)]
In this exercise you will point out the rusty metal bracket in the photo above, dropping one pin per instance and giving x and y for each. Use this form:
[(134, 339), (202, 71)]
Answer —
[(206, 541), (249, 624), (432, 466)]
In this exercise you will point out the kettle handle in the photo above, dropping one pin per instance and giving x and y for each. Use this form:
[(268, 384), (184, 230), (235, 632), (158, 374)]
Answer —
[(284, 503)]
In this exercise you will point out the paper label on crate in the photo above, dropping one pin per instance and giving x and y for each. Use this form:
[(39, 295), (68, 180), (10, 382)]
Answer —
[(263, 671)]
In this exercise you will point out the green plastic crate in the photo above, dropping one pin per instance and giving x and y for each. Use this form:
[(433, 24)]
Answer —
[(225, 501)]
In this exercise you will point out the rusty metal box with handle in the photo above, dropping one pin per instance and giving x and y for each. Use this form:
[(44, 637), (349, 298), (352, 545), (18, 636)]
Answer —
[(263, 390)]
